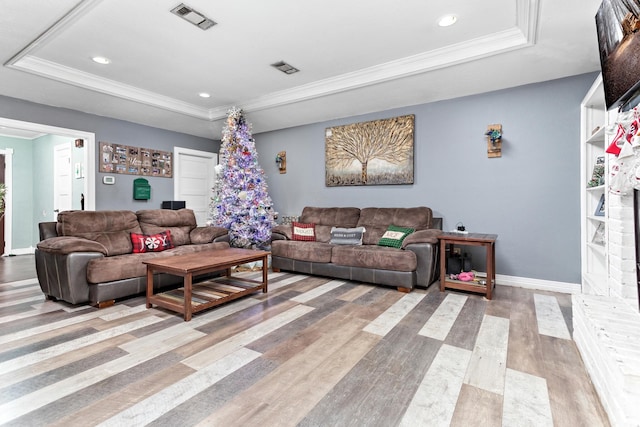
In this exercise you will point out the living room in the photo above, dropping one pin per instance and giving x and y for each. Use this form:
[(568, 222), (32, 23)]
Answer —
[(529, 197)]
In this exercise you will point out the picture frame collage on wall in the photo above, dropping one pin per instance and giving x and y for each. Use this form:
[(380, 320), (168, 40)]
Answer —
[(126, 159)]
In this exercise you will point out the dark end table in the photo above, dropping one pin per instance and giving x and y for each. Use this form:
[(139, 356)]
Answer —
[(469, 239)]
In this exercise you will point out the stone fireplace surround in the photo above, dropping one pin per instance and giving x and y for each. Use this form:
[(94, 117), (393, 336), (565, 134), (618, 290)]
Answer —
[(606, 327)]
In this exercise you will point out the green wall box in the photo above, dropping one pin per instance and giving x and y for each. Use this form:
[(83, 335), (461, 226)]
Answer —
[(141, 189)]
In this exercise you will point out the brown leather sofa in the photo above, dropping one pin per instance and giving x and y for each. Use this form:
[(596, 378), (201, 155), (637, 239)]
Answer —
[(414, 264), (86, 256)]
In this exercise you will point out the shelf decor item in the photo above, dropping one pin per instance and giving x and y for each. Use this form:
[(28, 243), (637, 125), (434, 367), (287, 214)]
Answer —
[(597, 176), (600, 208), (494, 141), (598, 235)]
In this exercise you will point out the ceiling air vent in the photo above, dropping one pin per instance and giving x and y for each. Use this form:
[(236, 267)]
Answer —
[(193, 16), (285, 68)]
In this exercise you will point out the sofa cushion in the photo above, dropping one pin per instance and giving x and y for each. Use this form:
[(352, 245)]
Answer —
[(191, 249), (377, 257), (108, 269), (303, 232), (151, 243), (394, 236), (333, 217), (180, 222), (109, 228), (119, 267), (347, 236), (377, 220), (302, 251), (200, 235)]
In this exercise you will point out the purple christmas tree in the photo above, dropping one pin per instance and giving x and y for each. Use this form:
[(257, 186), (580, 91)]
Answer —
[(241, 202)]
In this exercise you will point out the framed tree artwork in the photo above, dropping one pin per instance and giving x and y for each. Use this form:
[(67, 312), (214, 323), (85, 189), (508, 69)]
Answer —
[(378, 152)]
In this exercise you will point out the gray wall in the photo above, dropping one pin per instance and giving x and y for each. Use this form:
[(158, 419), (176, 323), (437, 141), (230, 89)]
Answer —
[(118, 196), (530, 196)]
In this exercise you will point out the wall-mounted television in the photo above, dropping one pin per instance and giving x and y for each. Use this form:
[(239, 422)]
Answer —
[(618, 26)]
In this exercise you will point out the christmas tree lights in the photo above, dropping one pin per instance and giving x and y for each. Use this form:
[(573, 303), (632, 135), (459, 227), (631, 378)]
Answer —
[(240, 200)]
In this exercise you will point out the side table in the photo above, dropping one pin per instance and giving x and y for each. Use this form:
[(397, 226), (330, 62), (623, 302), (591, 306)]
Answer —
[(470, 239)]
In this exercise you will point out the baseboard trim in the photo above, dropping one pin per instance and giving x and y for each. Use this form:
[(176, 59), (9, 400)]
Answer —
[(539, 284), (24, 251)]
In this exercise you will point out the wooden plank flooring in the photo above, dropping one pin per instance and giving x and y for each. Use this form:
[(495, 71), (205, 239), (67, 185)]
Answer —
[(311, 352)]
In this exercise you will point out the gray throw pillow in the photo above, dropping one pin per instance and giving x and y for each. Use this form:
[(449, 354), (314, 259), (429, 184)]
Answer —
[(347, 236)]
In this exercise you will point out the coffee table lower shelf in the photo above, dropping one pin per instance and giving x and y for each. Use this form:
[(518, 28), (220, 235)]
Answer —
[(205, 295)]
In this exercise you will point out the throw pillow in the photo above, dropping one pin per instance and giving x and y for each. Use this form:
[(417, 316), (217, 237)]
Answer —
[(151, 243), (394, 236), (347, 236), (304, 232)]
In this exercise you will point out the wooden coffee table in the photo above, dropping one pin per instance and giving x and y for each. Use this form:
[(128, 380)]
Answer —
[(195, 297)]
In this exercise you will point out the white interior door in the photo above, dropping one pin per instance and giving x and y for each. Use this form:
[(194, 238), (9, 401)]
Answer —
[(62, 179), (193, 180)]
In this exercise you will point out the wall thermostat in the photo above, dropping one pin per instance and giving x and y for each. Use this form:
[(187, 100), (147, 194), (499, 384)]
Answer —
[(109, 180)]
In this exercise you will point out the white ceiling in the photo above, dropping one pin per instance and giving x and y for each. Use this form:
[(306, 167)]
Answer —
[(355, 56)]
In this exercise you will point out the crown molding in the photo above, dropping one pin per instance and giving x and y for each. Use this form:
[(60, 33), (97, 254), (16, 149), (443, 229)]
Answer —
[(467, 51), (522, 35), (75, 77)]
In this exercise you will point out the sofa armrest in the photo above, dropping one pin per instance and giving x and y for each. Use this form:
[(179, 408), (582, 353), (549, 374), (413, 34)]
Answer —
[(64, 276), (68, 244), (422, 236), (202, 235), (425, 244), (282, 232), (428, 262)]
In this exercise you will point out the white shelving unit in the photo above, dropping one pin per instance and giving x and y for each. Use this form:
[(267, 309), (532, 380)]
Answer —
[(594, 233)]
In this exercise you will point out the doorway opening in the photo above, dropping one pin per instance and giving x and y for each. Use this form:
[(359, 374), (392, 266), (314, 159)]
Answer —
[(89, 161)]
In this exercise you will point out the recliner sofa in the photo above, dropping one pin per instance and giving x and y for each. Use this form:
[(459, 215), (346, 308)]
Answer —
[(415, 263), (86, 256)]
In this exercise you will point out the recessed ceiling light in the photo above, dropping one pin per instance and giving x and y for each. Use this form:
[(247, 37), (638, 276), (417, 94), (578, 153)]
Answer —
[(447, 20), (101, 60), (204, 95)]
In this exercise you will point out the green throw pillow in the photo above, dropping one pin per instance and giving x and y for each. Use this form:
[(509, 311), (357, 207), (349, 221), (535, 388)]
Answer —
[(394, 236)]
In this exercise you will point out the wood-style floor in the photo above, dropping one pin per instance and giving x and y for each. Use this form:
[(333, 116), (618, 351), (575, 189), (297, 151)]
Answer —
[(311, 352)]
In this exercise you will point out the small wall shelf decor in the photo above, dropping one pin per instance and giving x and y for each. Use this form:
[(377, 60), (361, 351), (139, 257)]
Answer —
[(117, 158), (281, 161), (494, 140)]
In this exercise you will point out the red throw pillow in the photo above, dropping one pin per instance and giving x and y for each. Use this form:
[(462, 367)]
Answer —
[(153, 243), (304, 232)]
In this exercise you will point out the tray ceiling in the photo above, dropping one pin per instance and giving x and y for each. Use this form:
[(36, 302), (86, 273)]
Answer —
[(354, 57)]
